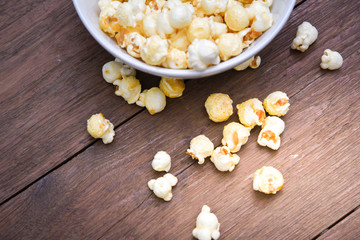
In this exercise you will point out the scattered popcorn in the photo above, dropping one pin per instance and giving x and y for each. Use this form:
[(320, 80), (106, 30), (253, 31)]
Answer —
[(229, 44), (207, 225), (153, 99), (163, 185), (111, 71), (176, 59), (203, 53), (199, 29), (331, 60), (129, 88), (155, 50), (125, 69), (236, 17), (305, 36), (251, 113), (234, 136), (172, 87), (161, 161), (99, 127), (277, 103), (200, 148), (224, 160), (268, 180), (213, 6), (219, 107), (253, 62), (269, 135)]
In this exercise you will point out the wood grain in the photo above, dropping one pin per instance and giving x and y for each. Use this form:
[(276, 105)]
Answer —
[(102, 192)]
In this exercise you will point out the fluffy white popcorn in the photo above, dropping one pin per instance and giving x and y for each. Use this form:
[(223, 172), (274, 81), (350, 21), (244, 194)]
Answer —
[(269, 135), (235, 135), (219, 107), (172, 87), (236, 17), (176, 59), (149, 24), (207, 225), (199, 29), (268, 180), (156, 6), (99, 127), (181, 16), (305, 36), (224, 160), (162, 186), (155, 50), (153, 99), (229, 44), (163, 26), (129, 88), (129, 13), (277, 103), (203, 53), (179, 40), (217, 28), (251, 113), (161, 161), (107, 18), (111, 71), (213, 6), (331, 60), (134, 42), (201, 147), (257, 6), (125, 69), (262, 22)]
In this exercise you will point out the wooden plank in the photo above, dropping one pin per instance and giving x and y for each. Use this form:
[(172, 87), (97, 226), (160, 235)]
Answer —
[(103, 190), (51, 83), (346, 229)]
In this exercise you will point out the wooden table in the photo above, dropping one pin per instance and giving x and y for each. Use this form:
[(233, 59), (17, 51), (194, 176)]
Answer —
[(56, 182)]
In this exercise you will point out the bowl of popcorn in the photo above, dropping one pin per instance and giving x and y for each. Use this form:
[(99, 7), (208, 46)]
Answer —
[(184, 38)]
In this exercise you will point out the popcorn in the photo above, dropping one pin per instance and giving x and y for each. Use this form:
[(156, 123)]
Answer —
[(153, 99), (134, 42), (217, 28), (125, 69), (219, 107), (224, 160), (236, 17), (213, 6), (129, 13), (268, 180), (172, 87), (229, 44), (129, 88), (114, 70), (200, 148), (258, 6), (277, 103), (269, 136), (107, 19), (176, 59), (163, 24), (305, 36), (99, 127), (179, 40), (203, 53), (251, 113), (331, 60), (163, 185), (149, 24), (180, 16), (234, 136), (253, 62), (262, 22), (155, 50), (199, 29), (207, 225), (161, 161)]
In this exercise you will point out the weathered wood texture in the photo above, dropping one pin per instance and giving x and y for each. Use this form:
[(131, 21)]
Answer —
[(347, 229), (51, 83), (102, 192)]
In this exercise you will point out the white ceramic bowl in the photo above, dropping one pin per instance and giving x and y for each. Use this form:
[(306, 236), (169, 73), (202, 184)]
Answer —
[(88, 11)]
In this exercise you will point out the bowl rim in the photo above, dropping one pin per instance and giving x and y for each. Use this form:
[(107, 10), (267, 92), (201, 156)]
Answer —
[(252, 50)]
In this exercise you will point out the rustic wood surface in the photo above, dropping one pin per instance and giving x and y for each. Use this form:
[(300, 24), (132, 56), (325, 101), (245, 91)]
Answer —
[(56, 182)]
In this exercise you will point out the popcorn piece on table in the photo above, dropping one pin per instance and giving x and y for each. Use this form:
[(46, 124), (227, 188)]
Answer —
[(213, 6), (253, 62), (331, 60), (234, 136), (269, 135), (219, 107), (199, 29), (236, 17), (200, 148), (129, 88), (305, 36), (277, 103), (125, 69), (172, 87), (162, 186), (207, 225), (203, 53), (268, 180), (251, 113), (153, 99), (161, 161), (229, 44), (114, 70), (99, 127), (224, 160), (155, 50), (176, 59)]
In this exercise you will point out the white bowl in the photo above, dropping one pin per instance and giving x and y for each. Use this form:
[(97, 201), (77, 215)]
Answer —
[(88, 12)]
